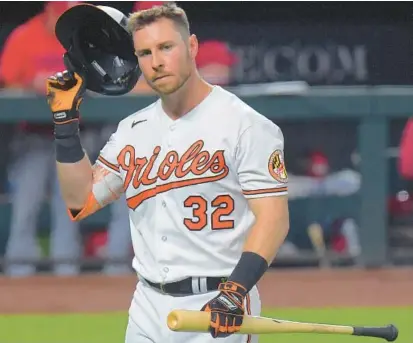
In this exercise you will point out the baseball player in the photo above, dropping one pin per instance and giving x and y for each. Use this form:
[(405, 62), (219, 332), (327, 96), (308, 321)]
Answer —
[(205, 182)]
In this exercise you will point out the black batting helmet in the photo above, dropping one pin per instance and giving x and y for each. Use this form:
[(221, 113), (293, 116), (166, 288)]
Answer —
[(99, 47)]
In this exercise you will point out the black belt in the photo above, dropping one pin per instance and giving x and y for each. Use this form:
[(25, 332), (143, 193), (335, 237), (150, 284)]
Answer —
[(189, 286)]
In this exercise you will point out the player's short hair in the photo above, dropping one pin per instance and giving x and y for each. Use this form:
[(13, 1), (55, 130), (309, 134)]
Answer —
[(169, 10)]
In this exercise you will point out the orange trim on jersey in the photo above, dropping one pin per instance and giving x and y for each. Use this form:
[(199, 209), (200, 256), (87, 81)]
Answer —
[(90, 207), (265, 191), (112, 166), (248, 309)]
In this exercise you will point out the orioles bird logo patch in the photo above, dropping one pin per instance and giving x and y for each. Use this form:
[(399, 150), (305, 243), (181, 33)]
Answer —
[(276, 166)]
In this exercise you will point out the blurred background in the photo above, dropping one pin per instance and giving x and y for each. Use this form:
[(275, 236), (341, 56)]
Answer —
[(335, 78)]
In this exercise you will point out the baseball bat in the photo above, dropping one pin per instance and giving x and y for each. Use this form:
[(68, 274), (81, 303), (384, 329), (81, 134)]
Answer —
[(315, 232), (198, 321)]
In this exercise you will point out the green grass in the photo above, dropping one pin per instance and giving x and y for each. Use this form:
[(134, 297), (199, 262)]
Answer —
[(63, 328), (110, 327)]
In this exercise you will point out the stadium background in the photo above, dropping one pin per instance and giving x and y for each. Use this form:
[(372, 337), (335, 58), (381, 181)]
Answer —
[(343, 123)]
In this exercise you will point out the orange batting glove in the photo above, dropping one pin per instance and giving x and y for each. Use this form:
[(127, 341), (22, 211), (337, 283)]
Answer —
[(227, 309), (64, 94)]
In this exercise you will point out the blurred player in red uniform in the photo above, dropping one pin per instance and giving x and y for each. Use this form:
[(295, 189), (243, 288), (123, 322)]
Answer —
[(32, 53)]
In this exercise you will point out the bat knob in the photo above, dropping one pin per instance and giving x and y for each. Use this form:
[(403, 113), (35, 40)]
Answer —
[(393, 333), (389, 332)]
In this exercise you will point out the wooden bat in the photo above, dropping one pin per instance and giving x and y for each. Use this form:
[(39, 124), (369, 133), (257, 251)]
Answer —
[(198, 321), (315, 232)]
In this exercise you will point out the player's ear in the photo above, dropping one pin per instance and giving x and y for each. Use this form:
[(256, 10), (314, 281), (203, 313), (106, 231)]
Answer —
[(193, 46)]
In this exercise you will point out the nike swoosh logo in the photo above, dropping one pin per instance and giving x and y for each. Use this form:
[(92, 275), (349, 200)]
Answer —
[(137, 122)]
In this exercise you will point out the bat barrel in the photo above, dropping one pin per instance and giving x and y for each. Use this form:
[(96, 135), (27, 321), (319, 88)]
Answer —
[(389, 332)]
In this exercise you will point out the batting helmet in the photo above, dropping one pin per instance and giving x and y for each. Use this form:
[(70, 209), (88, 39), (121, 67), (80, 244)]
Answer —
[(99, 47)]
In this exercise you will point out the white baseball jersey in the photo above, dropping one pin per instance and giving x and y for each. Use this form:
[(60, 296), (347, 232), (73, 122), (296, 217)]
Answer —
[(188, 181)]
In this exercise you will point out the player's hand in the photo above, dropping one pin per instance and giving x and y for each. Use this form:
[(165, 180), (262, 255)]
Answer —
[(227, 309), (65, 92)]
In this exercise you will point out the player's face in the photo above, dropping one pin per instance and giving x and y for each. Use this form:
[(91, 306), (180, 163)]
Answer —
[(165, 57)]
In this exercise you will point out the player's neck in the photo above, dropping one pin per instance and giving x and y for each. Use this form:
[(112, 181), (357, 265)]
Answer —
[(186, 98)]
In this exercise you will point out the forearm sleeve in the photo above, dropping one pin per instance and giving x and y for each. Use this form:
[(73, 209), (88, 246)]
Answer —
[(107, 187)]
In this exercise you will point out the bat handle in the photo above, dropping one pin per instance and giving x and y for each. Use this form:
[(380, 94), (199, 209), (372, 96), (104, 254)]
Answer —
[(389, 332)]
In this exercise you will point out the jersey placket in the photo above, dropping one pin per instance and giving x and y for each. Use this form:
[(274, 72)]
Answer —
[(162, 204)]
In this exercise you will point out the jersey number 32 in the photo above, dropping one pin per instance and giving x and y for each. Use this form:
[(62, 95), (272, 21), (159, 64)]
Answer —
[(224, 206)]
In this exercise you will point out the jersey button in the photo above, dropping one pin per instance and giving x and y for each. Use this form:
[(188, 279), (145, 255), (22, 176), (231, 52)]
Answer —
[(163, 203), (164, 238), (166, 269), (172, 127)]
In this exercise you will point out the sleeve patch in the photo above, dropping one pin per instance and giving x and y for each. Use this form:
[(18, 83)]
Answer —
[(276, 166)]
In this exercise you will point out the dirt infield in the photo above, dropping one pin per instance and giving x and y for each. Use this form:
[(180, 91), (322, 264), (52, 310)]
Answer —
[(292, 288)]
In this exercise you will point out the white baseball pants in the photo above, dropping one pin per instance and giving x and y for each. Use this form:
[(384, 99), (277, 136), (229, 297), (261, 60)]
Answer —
[(149, 310)]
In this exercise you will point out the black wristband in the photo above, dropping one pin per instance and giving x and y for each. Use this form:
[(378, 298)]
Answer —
[(249, 270), (66, 130), (69, 150)]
